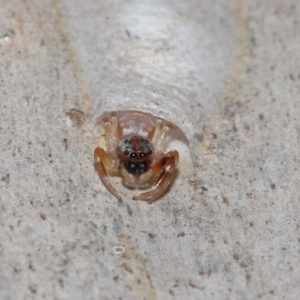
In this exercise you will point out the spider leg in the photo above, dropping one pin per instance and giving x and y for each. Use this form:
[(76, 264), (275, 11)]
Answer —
[(160, 133), (162, 172), (110, 127), (104, 165)]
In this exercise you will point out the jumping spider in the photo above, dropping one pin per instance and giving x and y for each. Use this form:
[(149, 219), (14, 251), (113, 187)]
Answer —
[(134, 151)]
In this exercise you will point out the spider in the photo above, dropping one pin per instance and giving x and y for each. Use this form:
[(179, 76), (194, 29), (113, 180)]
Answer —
[(134, 152)]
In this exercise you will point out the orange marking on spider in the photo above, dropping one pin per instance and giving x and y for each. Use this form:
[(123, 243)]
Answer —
[(135, 152)]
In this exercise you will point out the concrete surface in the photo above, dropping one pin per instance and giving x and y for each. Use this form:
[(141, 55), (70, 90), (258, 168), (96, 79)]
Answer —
[(227, 73)]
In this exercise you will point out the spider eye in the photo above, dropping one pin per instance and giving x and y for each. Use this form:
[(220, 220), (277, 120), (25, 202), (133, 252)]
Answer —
[(133, 155), (142, 168), (142, 154), (126, 152), (131, 168), (149, 151)]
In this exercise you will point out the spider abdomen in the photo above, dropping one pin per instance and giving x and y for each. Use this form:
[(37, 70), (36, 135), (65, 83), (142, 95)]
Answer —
[(136, 123)]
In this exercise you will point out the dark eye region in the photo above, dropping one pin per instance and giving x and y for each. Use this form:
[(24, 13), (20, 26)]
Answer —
[(136, 168), (136, 155)]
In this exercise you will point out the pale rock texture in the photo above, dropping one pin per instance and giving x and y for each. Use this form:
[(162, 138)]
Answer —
[(226, 73)]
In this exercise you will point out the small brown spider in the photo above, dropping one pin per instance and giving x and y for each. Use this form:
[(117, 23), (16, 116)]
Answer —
[(134, 151)]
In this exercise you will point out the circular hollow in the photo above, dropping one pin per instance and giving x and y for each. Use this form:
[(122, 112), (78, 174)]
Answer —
[(175, 140), (119, 249)]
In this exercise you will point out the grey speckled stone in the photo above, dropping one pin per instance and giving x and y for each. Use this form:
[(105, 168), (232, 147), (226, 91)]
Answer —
[(227, 73)]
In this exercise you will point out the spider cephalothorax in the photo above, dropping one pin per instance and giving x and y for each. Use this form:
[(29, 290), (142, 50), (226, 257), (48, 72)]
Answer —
[(134, 144), (135, 153)]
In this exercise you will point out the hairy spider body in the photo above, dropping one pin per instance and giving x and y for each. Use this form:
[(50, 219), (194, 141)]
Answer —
[(134, 151)]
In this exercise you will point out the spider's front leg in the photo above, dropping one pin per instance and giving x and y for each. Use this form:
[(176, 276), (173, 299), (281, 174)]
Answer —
[(110, 126), (163, 172), (104, 165)]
